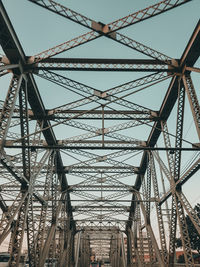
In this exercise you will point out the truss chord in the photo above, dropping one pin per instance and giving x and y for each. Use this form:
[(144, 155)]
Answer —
[(108, 158), (90, 64), (66, 120), (87, 37), (177, 208), (193, 100), (191, 171), (8, 107), (125, 103), (158, 210), (61, 80), (109, 29)]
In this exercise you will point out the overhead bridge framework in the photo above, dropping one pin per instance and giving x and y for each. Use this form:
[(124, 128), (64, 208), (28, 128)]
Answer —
[(89, 179)]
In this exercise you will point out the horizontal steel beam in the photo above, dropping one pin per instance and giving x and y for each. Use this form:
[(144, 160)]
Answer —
[(98, 207), (114, 200), (96, 64), (93, 64), (105, 61), (53, 114), (65, 147)]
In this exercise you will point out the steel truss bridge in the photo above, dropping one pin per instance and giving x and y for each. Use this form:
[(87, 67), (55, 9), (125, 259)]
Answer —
[(93, 175)]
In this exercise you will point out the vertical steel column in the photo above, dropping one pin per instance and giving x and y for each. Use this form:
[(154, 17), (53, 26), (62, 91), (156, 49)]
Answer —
[(72, 249), (24, 125), (19, 230), (18, 234), (81, 251), (129, 248), (158, 210), (7, 219), (8, 107), (87, 250), (61, 229), (151, 233), (173, 223), (67, 257), (134, 234), (141, 238), (52, 247), (84, 249), (54, 203), (117, 250), (190, 211), (31, 234), (60, 244), (26, 160), (177, 208), (156, 155), (77, 250), (148, 191), (132, 230), (35, 171), (193, 100), (134, 242), (43, 214), (51, 233), (147, 209), (113, 250), (123, 251), (11, 238)]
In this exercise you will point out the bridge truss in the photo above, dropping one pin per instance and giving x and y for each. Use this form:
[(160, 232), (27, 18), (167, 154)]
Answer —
[(94, 175)]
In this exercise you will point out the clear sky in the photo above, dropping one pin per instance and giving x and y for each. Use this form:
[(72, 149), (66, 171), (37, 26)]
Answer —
[(168, 33)]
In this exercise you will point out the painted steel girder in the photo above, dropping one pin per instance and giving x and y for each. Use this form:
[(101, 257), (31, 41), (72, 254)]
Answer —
[(9, 216), (9, 40), (193, 100), (92, 169), (93, 158), (126, 65), (158, 209), (189, 56), (102, 226), (85, 115), (183, 179), (131, 19), (14, 52), (19, 231), (9, 106), (110, 94), (106, 30)]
